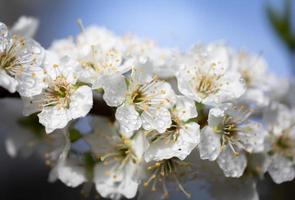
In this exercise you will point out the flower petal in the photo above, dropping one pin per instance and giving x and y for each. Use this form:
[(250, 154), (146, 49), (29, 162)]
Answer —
[(231, 164), (8, 82), (188, 139), (81, 102), (281, 169), (156, 119), (31, 105), (210, 145), (70, 173), (114, 89), (185, 108), (54, 118), (216, 117), (112, 183), (31, 82), (25, 26), (128, 118), (252, 137)]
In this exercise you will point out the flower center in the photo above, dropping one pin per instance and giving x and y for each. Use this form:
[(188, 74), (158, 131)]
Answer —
[(9, 61), (228, 131), (169, 169), (121, 153), (246, 76), (146, 95), (171, 134), (58, 93), (206, 84), (284, 145)]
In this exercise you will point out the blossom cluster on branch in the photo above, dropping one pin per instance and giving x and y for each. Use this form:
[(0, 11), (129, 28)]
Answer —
[(169, 111)]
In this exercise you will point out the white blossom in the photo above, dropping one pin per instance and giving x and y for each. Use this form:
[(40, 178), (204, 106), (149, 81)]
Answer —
[(204, 76), (68, 169), (178, 140), (118, 172), (281, 126), (142, 100), (96, 63), (253, 70), (97, 53), (96, 36), (62, 99), (20, 60), (228, 136)]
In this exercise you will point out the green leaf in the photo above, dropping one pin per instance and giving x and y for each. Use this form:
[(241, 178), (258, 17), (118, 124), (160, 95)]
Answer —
[(74, 135)]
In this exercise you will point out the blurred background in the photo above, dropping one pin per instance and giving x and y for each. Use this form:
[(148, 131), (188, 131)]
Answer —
[(252, 25)]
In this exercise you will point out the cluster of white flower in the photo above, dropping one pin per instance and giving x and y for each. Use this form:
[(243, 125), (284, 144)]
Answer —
[(164, 105)]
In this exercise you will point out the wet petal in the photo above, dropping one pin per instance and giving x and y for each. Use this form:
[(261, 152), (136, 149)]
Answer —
[(31, 82), (128, 118), (210, 145), (8, 82), (112, 183), (252, 137), (53, 118), (114, 89), (187, 140), (216, 117), (185, 108), (81, 102), (156, 119), (31, 105), (281, 169), (231, 164), (70, 173)]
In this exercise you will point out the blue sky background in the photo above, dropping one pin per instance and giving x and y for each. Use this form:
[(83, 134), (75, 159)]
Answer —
[(171, 23)]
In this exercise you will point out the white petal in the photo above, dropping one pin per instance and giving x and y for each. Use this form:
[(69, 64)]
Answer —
[(277, 118), (184, 86), (231, 164), (128, 118), (54, 118), (165, 92), (185, 108), (187, 140), (25, 26), (139, 144), (233, 87), (8, 82), (64, 47), (81, 102), (142, 74), (281, 169), (216, 117), (156, 119), (111, 183), (256, 96), (31, 82), (114, 89), (218, 54), (70, 173), (253, 137), (31, 105), (210, 145)]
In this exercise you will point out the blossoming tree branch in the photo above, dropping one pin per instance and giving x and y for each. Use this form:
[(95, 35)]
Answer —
[(152, 115)]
